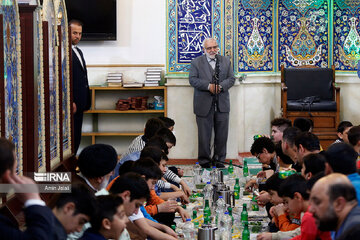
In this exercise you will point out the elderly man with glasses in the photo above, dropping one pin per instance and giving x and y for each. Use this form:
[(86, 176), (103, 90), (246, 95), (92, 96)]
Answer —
[(212, 76)]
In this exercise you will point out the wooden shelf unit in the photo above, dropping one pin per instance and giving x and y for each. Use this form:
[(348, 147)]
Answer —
[(128, 111), (96, 111)]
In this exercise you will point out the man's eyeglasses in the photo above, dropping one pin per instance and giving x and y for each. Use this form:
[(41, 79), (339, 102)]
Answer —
[(258, 156), (213, 47)]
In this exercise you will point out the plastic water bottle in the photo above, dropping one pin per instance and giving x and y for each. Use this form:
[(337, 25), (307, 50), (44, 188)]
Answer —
[(214, 175), (220, 209), (197, 173), (226, 227), (188, 230), (221, 204), (208, 192)]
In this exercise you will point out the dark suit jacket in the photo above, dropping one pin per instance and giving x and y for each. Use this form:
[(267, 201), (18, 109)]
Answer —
[(39, 225), (200, 76), (81, 92)]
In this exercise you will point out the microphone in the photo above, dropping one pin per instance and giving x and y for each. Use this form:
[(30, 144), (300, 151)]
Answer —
[(217, 67)]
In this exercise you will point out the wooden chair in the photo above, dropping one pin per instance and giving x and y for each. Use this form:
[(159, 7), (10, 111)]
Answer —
[(312, 83)]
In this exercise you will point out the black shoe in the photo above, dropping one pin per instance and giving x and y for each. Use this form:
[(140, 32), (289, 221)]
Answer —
[(220, 165), (205, 165)]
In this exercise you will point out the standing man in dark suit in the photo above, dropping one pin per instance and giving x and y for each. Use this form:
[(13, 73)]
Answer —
[(211, 101), (81, 92), (38, 218)]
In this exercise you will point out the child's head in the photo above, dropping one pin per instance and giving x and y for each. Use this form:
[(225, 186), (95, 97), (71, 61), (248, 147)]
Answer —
[(304, 124), (313, 164), (133, 189), (272, 186), (168, 122), (157, 155), (278, 125), (167, 136), (159, 142), (110, 218), (264, 149), (149, 170), (281, 157), (294, 193), (151, 127), (125, 167), (74, 209), (343, 130), (354, 137)]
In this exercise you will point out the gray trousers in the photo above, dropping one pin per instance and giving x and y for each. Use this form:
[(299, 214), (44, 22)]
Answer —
[(220, 123)]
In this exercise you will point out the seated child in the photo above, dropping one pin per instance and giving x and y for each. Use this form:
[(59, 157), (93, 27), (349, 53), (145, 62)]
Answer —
[(161, 159), (134, 190), (155, 206), (278, 125), (109, 221), (168, 123), (284, 161), (296, 196), (313, 164), (72, 210), (304, 124), (279, 211), (342, 130)]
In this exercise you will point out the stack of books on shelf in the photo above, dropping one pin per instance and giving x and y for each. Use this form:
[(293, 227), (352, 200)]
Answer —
[(114, 79), (153, 77)]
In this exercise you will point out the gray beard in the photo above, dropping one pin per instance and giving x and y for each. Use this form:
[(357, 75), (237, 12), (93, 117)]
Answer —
[(209, 56)]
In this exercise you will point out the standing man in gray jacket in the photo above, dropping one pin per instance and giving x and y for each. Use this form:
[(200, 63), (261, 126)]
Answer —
[(211, 101)]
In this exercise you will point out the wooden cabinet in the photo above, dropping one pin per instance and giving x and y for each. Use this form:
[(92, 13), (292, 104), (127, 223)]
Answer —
[(104, 124)]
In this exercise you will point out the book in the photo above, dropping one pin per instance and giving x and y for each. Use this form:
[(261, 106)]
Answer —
[(114, 78), (153, 73), (133, 84), (151, 84), (154, 70), (115, 74), (110, 84), (153, 79), (114, 81)]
